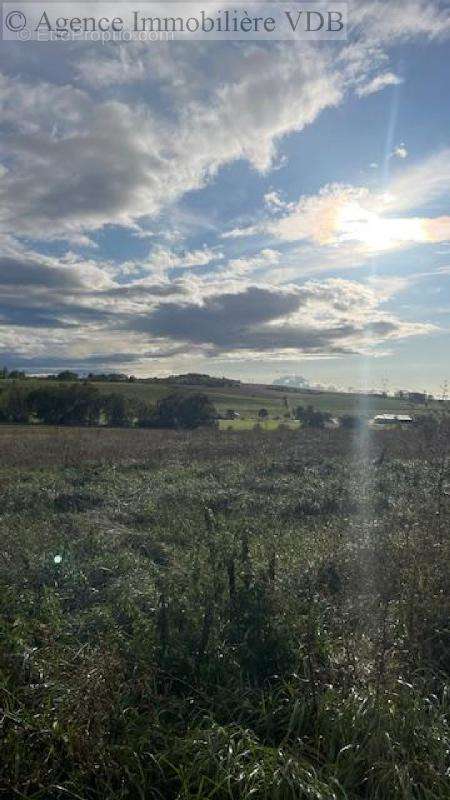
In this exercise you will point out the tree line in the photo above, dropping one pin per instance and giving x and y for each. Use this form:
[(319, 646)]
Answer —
[(68, 375), (83, 404)]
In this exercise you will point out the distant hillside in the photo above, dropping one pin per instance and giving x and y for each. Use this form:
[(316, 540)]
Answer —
[(195, 379)]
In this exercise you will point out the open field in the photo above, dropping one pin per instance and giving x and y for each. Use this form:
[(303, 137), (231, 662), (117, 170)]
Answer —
[(217, 615), (247, 424)]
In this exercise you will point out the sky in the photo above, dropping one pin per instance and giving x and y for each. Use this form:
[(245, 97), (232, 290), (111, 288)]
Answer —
[(250, 209)]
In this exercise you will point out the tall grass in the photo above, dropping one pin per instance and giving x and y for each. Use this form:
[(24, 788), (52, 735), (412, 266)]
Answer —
[(216, 616)]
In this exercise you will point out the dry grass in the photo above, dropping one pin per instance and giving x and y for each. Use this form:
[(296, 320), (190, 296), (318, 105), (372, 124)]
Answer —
[(212, 615)]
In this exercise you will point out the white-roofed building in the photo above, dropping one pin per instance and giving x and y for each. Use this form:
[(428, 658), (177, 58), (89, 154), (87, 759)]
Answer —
[(392, 419)]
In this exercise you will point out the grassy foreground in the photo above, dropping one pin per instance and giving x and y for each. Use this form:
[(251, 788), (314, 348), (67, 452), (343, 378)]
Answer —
[(224, 615)]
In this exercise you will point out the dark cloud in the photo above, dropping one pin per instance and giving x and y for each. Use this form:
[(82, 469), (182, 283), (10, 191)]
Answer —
[(136, 291), (250, 320), (96, 362), (38, 296), (30, 272), (222, 319), (47, 309)]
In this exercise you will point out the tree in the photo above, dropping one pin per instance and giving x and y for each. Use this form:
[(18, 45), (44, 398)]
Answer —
[(185, 411), (66, 405), (197, 409), (146, 416), (263, 413), (118, 410), (67, 375), (14, 404), (311, 418)]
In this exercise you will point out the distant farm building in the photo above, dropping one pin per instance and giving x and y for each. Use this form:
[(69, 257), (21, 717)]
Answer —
[(231, 414), (392, 419)]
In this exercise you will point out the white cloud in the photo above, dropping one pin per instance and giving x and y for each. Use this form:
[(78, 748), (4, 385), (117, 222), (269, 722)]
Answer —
[(368, 220), (421, 184), (162, 259), (113, 162), (274, 202), (264, 260), (116, 161), (400, 151), (377, 83), (152, 124), (387, 21)]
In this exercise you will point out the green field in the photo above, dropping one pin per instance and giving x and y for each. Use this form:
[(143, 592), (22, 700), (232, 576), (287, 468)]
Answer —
[(247, 399), (247, 424)]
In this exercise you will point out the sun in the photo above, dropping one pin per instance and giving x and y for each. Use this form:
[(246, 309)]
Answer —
[(376, 232)]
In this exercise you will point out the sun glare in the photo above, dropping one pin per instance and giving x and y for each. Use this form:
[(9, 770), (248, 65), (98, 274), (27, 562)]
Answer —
[(377, 232)]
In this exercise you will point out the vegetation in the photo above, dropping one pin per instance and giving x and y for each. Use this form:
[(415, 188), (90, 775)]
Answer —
[(244, 399), (311, 417), (351, 421), (83, 404), (179, 411), (215, 615)]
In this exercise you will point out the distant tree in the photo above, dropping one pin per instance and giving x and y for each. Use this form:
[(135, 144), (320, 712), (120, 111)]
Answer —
[(168, 410), (185, 411), (67, 375), (3, 373), (198, 379), (16, 374), (66, 405), (197, 409), (263, 413), (311, 418)]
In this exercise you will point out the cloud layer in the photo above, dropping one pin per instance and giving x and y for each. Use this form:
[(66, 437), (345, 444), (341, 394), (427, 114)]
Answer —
[(102, 141)]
